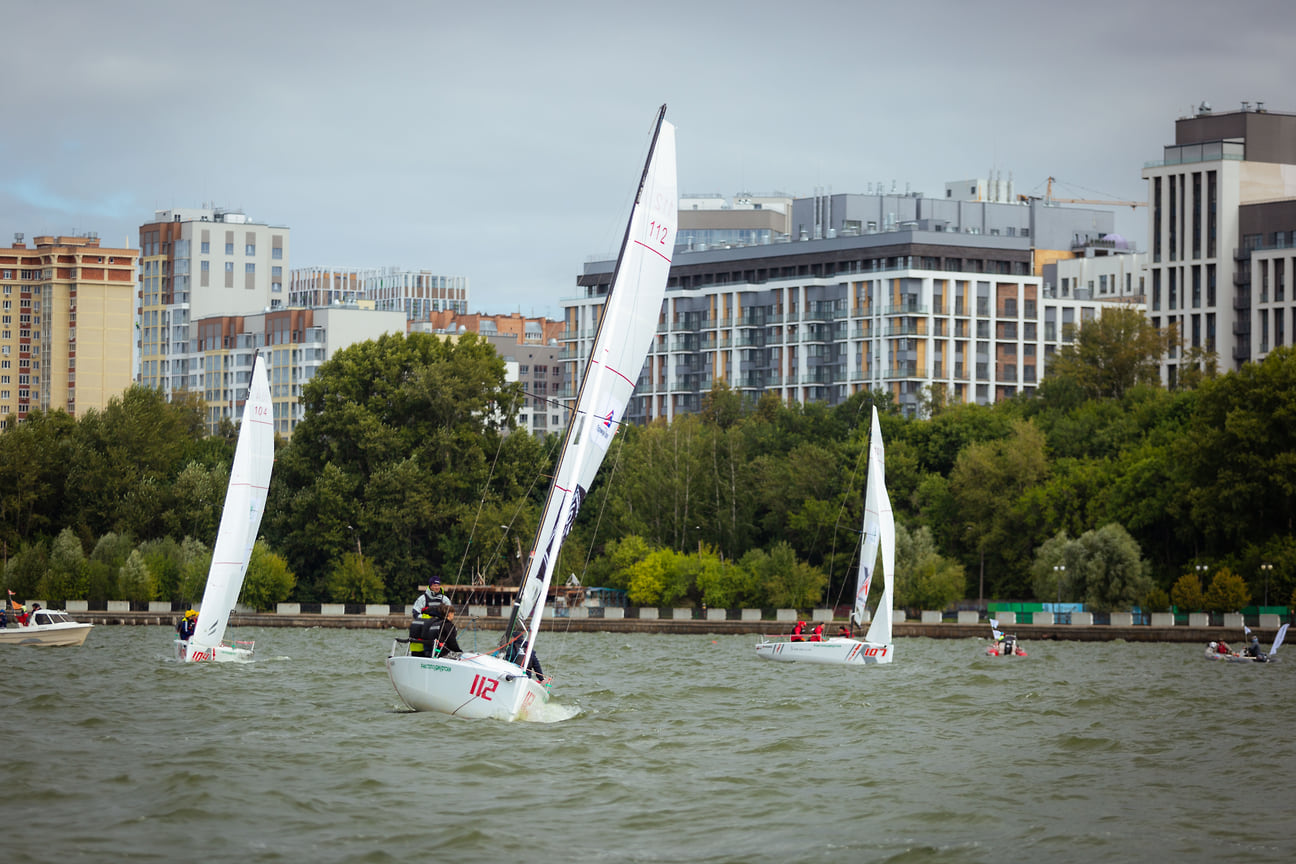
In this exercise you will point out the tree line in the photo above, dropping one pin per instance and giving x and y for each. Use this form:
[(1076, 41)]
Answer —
[(1101, 487)]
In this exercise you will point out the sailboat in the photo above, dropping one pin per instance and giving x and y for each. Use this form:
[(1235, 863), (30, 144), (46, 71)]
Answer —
[(240, 520), (879, 529), (486, 685)]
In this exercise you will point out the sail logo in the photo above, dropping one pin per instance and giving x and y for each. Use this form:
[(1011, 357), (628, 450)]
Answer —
[(482, 687)]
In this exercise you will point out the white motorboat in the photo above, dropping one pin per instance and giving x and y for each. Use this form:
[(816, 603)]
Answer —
[(46, 627)]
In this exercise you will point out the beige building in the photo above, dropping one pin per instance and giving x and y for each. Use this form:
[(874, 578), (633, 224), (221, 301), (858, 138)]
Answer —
[(66, 312)]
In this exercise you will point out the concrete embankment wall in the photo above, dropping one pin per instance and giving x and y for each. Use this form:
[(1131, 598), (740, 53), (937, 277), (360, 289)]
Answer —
[(492, 618)]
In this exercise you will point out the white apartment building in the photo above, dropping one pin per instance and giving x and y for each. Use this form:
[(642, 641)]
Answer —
[(901, 294), (196, 264), (1220, 233), (416, 293)]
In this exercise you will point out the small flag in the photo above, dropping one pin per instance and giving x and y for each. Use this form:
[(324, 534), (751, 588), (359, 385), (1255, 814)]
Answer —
[(994, 623), (997, 635), (1244, 627)]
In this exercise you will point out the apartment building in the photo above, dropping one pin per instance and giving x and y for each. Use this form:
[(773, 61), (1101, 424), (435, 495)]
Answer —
[(417, 293), (1220, 233), (66, 310), (532, 355), (294, 342), (898, 293), (195, 264)]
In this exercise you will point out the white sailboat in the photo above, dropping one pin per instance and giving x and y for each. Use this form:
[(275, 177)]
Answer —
[(240, 520), (879, 529), (486, 685)]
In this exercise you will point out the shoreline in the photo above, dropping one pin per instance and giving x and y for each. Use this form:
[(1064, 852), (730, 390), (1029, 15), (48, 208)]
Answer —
[(906, 629)]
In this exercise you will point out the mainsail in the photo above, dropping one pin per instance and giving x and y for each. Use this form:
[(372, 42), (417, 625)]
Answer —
[(626, 329), (241, 518), (879, 527)]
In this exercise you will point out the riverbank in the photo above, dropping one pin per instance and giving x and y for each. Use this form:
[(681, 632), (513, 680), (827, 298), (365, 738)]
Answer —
[(907, 629)]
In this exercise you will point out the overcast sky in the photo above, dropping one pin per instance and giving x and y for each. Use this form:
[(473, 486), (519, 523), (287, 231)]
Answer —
[(502, 141)]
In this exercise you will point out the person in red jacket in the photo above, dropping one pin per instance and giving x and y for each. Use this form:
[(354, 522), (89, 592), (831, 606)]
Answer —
[(817, 635), (796, 632)]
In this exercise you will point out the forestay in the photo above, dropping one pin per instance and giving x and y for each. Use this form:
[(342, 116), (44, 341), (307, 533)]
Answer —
[(625, 332)]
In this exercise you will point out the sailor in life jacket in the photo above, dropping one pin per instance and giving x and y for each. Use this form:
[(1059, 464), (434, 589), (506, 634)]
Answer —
[(431, 601), (186, 626)]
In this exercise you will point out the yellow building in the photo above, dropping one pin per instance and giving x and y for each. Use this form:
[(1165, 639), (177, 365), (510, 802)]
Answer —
[(66, 333)]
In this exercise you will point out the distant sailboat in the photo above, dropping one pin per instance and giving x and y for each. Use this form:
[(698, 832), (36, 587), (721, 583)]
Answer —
[(240, 521), (489, 686), (879, 529)]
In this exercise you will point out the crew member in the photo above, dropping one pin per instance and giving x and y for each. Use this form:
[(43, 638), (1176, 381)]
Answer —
[(431, 601), (186, 626)]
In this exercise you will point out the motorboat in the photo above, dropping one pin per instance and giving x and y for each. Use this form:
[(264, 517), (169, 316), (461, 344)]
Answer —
[(46, 627)]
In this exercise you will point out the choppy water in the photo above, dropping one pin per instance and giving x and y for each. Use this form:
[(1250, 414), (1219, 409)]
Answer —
[(674, 749)]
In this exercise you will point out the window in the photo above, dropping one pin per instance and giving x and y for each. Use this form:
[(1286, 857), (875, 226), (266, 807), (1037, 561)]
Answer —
[(276, 271), (206, 266), (276, 287), (229, 266), (277, 253), (249, 249), (249, 267), (205, 249), (229, 248)]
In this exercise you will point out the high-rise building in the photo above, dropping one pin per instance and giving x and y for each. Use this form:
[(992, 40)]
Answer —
[(417, 293), (196, 264), (921, 298), (1221, 232), (65, 325)]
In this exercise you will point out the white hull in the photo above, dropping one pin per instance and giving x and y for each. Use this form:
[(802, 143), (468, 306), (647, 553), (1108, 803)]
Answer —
[(63, 633), (239, 652), (837, 651), (476, 686)]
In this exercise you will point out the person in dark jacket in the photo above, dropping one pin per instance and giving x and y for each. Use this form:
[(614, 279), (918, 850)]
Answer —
[(186, 626), (1253, 650), (443, 634), (515, 650)]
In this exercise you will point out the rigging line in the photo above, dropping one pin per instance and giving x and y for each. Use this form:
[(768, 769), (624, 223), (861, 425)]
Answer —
[(862, 456), (499, 448)]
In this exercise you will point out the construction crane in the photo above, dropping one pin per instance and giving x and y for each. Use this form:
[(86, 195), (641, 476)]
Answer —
[(1049, 199)]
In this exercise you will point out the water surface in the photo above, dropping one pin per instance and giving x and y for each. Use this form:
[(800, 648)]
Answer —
[(674, 749)]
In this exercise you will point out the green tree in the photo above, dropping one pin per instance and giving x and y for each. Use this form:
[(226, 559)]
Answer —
[(787, 582), (268, 581), (354, 579), (1110, 566), (924, 579), (1111, 354), (988, 484), (1227, 592), (135, 581), (723, 584), (65, 576), (1187, 594), (197, 564)]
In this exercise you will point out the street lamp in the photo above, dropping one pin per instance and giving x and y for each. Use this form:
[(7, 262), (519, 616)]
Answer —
[(1266, 568), (1059, 570)]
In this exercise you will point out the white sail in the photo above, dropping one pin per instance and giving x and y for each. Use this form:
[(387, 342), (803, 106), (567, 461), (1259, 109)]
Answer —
[(626, 329), (241, 518), (1278, 640), (879, 529)]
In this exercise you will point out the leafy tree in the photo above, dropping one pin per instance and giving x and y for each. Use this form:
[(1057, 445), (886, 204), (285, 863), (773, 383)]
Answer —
[(269, 581), (197, 564), (1156, 600), (658, 580), (924, 579), (611, 569), (165, 561), (23, 571), (135, 581), (65, 575), (1049, 582), (400, 436), (723, 584), (1187, 594), (1227, 592), (988, 483), (787, 582), (1111, 354), (1109, 564)]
